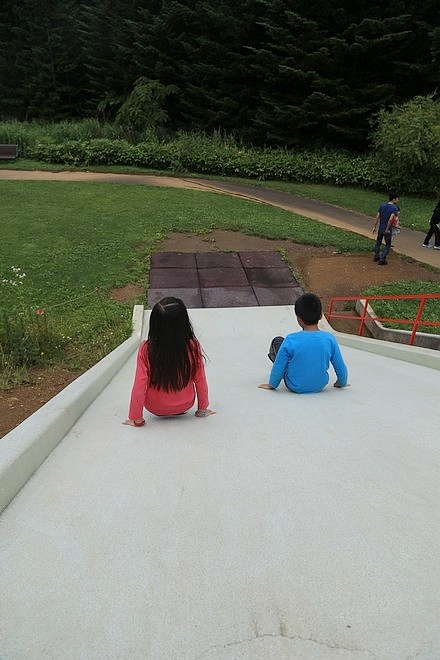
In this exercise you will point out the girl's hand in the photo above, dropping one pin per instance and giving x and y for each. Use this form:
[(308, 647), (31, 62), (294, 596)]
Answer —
[(134, 422), (204, 413), (265, 386)]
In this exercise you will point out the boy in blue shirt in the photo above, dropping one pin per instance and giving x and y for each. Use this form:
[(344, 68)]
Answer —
[(302, 359)]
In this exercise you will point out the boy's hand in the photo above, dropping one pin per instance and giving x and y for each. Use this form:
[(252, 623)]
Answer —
[(265, 386), (337, 384)]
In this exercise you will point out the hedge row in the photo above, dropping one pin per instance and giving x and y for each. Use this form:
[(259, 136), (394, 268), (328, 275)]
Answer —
[(194, 155), (221, 156)]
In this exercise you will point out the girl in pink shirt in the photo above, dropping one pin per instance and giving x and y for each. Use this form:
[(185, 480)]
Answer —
[(170, 369)]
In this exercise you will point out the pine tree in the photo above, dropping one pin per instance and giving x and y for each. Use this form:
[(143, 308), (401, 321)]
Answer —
[(43, 59)]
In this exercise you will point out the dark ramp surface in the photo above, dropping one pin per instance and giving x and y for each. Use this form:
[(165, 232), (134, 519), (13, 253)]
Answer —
[(222, 279)]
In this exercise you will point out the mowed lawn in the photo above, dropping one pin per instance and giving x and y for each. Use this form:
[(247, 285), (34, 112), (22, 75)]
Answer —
[(65, 245), (68, 237)]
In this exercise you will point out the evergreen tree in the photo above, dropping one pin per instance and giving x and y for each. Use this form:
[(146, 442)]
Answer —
[(273, 72), (107, 30), (219, 85), (40, 63), (332, 66)]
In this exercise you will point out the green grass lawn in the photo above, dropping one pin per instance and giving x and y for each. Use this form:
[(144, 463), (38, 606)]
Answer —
[(415, 211), (75, 242), (70, 236), (406, 309)]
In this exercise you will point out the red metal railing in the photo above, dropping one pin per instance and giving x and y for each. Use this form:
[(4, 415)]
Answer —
[(416, 322)]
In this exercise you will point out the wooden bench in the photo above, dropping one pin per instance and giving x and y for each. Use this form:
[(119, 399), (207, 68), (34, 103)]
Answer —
[(8, 151)]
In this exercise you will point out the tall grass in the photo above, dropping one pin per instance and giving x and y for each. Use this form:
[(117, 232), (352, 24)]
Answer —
[(28, 134)]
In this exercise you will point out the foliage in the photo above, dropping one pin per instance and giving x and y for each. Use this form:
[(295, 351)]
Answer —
[(326, 174), (271, 72), (407, 139), (26, 338), (28, 134), (89, 143), (215, 155), (406, 309), (143, 110), (31, 336), (40, 59)]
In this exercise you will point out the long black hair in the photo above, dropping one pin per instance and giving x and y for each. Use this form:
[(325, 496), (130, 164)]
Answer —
[(173, 350)]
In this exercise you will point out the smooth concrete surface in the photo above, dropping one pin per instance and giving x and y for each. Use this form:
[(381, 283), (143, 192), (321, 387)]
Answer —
[(285, 526)]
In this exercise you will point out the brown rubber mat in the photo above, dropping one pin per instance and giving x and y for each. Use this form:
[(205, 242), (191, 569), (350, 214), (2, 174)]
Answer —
[(222, 279)]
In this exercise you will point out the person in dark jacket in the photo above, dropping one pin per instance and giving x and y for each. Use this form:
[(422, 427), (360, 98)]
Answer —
[(433, 229)]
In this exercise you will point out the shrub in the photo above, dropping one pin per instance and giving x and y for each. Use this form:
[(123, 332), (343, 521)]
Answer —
[(407, 139), (90, 142)]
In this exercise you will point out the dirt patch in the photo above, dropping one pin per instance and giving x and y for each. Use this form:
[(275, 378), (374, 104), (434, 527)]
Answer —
[(17, 403), (127, 294), (321, 270)]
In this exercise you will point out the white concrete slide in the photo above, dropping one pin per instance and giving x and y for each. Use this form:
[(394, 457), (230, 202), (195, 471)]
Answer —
[(285, 526)]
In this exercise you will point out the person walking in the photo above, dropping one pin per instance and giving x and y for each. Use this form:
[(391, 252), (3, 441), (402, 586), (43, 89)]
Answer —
[(384, 219), (433, 229)]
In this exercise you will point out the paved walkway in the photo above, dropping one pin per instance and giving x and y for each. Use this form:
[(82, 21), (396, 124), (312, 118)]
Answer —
[(408, 242)]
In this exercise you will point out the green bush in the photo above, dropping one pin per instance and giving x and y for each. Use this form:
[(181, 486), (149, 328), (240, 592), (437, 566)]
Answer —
[(91, 143), (407, 139), (28, 134), (202, 155)]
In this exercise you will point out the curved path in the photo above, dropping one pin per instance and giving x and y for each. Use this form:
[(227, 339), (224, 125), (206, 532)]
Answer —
[(409, 242)]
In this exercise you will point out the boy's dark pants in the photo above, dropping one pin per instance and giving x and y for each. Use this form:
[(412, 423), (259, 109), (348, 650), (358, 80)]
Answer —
[(274, 348), (386, 236)]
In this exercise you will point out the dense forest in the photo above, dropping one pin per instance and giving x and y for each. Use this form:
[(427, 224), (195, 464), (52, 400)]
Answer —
[(271, 72)]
